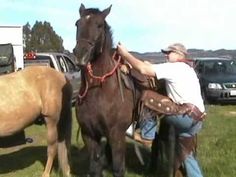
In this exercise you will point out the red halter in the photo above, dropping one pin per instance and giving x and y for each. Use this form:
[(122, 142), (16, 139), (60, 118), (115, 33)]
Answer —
[(101, 79)]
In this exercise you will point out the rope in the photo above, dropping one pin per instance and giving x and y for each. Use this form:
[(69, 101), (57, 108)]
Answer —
[(102, 78), (85, 90)]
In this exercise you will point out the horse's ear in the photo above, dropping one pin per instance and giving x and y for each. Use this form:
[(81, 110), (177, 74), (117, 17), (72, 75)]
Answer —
[(81, 9), (106, 12)]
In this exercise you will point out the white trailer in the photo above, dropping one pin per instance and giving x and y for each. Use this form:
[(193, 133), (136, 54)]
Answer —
[(14, 36)]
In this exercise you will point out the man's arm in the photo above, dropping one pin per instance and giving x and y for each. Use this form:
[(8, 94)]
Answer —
[(143, 67)]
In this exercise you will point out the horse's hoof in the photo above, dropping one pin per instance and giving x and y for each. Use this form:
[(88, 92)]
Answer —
[(45, 175), (68, 175), (29, 140)]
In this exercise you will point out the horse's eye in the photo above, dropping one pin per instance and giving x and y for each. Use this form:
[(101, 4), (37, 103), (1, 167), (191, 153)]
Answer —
[(100, 25)]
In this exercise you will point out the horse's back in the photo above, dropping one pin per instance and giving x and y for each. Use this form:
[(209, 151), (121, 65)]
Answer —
[(26, 94), (42, 74), (32, 82), (31, 75)]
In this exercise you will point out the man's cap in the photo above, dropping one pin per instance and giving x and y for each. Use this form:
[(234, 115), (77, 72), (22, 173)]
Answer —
[(177, 47)]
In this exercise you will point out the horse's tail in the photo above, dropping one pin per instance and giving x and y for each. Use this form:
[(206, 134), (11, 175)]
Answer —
[(78, 133), (163, 151), (65, 130)]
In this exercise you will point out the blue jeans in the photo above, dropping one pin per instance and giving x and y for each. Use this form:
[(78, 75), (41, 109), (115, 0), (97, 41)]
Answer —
[(184, 125), (187, 127), (192, 167), (148, 128)]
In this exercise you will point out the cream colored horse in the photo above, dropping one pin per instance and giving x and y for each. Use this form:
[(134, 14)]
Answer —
[(33, 92)]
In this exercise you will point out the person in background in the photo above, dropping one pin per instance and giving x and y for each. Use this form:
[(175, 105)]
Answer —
[(182, 86)]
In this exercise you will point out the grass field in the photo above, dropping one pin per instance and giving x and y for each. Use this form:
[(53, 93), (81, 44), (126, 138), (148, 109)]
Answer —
[(216, 150)]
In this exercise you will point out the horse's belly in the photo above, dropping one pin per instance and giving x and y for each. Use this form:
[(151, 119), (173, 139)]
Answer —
[(101, 120), (9, 128), (14, 119)]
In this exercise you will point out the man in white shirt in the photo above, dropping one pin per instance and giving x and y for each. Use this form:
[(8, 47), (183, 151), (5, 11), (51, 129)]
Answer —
[(182, 86)]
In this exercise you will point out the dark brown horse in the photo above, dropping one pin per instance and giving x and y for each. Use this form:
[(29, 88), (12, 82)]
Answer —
[(33, 92), (101, 111), (105, 106)]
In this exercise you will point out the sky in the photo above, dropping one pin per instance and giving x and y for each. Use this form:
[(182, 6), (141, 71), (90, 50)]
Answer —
[(141, 25)]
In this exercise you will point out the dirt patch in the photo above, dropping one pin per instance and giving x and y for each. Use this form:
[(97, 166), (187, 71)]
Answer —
[(233, 113)]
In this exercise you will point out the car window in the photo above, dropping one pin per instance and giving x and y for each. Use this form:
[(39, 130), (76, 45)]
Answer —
[(216, 67), (219, 67), (45, 58), (199, 67), (231, 67), (71, 66), (62, 63)]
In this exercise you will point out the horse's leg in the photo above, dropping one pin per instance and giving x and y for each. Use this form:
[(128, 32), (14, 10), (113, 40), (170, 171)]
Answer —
[(95, 155), (52, 144), (117, 143)]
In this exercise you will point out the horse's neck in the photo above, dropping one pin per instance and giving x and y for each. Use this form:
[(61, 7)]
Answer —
[(104, 62)]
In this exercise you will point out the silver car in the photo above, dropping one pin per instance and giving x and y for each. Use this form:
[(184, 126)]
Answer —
[(59, 61)]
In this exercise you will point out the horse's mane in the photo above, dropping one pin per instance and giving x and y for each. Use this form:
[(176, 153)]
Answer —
[(91, 11), (109, 38)]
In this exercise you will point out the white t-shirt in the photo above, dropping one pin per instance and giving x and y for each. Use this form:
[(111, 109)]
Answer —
[(182, 84)]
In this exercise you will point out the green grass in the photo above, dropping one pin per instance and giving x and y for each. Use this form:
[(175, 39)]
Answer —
[(216, 150), (217, 142)]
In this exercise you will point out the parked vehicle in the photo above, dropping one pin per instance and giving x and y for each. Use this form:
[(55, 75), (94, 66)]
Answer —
[(11, 37), (59, 61), (7, 59), (217, 79)]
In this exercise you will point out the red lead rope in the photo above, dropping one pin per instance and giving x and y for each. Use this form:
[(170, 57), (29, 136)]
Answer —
[(85, 91), (100, 78)]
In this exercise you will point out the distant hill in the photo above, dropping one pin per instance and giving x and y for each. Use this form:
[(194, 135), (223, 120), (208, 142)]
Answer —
[(158, 57)]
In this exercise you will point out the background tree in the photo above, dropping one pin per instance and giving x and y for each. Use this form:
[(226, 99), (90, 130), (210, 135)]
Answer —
[(41, 38), (26, 36)]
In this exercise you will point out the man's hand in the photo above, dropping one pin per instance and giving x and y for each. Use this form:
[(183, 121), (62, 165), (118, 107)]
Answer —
[(147, 62), (124, 68), (122, 50)]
